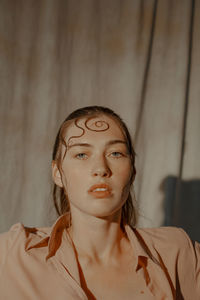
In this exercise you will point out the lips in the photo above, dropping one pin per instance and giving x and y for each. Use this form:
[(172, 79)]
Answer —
[(100, 190)]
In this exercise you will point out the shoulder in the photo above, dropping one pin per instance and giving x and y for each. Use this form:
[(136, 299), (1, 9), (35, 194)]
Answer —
[(170, 242), (180, 256), (20, 237), (173, 245), (20, 231), (163, 235), (9, 237)]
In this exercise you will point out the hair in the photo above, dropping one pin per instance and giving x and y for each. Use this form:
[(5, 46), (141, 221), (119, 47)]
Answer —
[(61, 203)]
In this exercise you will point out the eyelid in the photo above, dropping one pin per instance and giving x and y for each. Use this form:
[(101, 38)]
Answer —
[(121, 150)]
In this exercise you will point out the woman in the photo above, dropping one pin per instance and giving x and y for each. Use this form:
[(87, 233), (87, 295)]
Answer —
[(94, 251)]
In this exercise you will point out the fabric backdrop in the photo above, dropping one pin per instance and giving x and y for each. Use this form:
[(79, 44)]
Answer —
[(140, 58)]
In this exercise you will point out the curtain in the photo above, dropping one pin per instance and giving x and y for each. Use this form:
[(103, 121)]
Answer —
[(140, 58)]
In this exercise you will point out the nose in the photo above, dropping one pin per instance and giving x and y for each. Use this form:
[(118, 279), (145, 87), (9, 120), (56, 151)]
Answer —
[(101, 169)]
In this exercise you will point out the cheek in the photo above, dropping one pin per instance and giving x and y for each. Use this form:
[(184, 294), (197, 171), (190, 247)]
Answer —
[(73, 178), (124, 173)]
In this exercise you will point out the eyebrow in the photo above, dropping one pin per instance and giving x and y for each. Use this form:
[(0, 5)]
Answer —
[(109, 143)]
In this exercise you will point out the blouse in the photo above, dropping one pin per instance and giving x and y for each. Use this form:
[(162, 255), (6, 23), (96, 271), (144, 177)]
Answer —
[(40, 263)]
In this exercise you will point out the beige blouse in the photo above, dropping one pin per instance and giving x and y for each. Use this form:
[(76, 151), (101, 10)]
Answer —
[(40, 263)]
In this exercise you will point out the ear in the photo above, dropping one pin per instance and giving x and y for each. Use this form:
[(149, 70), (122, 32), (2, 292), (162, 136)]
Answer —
[(56, 174)]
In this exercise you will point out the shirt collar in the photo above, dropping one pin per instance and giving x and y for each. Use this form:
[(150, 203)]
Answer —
[(47, 237), (53, 238)]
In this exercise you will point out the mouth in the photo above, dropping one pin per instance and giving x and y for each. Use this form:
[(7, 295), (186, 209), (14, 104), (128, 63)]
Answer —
[(100, 191)]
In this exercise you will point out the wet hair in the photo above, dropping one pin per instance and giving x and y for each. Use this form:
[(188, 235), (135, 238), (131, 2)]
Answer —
[(61, 203)]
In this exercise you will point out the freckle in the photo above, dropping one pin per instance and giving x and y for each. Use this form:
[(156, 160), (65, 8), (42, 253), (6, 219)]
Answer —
[(141, 292)]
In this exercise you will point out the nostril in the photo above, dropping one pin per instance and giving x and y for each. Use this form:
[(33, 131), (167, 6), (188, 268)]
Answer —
[(106, 174)]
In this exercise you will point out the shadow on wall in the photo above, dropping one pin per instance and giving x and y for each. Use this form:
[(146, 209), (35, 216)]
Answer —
[(182, 209)]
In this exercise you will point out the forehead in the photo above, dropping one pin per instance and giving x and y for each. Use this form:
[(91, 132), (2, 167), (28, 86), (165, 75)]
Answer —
[(94, 127)]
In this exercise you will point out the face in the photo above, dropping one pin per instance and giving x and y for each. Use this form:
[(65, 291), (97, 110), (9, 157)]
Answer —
[(96, 168)]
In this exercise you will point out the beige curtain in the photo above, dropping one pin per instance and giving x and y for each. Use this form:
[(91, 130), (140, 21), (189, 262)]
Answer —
[(140, 58)]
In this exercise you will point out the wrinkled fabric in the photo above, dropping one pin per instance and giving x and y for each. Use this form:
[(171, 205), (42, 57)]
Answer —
[(40, 263)]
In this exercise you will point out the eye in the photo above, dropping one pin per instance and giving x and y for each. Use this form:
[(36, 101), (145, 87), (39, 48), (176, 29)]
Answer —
[(81, 155), (117, 154)]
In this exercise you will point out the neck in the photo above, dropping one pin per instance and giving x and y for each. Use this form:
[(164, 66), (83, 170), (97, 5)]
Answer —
[(97, 240)]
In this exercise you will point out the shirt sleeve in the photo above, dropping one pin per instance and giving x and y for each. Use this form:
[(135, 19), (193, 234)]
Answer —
[(188, 268)]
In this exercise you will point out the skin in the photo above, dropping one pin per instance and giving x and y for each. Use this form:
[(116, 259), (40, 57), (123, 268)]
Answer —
[(95, 220)]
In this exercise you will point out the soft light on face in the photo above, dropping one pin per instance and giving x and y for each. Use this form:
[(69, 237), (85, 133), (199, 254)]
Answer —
[(96, 168)]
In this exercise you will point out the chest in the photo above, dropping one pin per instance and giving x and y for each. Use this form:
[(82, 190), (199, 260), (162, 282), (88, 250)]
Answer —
[(114, 283)]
